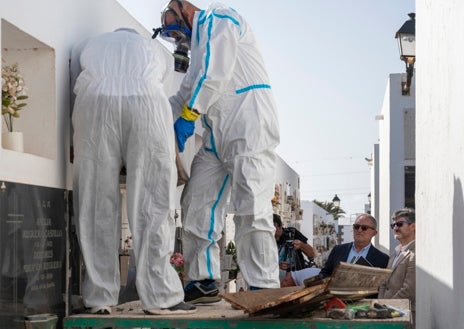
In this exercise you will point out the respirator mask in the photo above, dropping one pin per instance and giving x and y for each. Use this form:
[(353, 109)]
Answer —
[(178, 33)]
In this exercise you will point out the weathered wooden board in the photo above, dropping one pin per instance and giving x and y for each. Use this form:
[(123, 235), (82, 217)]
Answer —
[(349, 281), (300, 307), (254, 301), (353, 279), (315, 280)]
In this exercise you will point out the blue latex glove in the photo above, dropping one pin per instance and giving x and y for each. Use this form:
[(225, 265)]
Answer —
[(183, 129)]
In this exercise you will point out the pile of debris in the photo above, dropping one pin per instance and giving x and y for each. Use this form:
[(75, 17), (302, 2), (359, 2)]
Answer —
[(349, 282)]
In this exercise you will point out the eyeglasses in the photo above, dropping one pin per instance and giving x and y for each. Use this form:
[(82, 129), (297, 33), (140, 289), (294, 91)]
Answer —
[(399, 224), (363, 227)]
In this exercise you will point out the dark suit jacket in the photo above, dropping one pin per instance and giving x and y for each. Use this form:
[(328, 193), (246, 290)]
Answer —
[(340, 253)]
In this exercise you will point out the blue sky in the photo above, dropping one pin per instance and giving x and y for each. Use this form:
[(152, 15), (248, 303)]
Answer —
[(328, 63)]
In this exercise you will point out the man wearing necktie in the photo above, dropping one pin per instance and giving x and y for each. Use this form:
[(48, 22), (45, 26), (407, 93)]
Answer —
[(364, 229)]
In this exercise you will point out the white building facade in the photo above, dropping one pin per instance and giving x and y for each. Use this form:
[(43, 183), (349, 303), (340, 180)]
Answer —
[(321, 230), (440, 164), (393, 159)]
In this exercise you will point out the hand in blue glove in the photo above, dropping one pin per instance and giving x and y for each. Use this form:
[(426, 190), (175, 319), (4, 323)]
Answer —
[(184, 129), (185, 126)]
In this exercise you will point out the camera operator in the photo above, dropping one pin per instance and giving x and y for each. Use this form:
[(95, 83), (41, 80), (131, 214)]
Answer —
[(292, 244)]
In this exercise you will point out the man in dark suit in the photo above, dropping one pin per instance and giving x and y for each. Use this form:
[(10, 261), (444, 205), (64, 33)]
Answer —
[(364, 229)]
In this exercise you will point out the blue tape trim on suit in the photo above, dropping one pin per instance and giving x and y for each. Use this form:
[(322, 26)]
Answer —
[(213, 144), (211, 228), (260, 86)]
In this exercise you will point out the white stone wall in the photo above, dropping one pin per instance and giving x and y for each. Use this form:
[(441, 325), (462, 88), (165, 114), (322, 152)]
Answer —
[(391, 160), (375, 176), (287, 183), (440, 163), (320, 228)]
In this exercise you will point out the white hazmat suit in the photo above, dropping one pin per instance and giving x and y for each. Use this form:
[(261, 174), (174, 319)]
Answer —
[(228, 84), (121, 117)]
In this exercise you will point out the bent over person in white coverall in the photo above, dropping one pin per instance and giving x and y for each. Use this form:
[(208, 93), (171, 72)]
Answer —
[(227, 84), (122, 116)]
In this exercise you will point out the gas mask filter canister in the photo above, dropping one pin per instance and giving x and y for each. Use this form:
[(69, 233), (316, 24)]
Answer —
[(181, 40), (181, 59)]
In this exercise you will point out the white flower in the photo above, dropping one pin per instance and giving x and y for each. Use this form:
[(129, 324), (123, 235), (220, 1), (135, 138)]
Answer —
[(13, 91)]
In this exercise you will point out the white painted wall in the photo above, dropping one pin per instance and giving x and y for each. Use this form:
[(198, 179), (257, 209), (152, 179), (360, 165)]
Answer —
[(440, 164), (307, 223), (321, 240), (287, 181), (391, 158), (375, 176), (346, 224)]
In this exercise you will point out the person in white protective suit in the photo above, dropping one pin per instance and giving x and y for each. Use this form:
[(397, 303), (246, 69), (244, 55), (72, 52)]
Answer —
[(227, 86), (121, 116)]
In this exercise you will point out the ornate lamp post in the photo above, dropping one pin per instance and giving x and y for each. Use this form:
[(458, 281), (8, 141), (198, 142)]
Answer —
[(336, 201), (406, 37)]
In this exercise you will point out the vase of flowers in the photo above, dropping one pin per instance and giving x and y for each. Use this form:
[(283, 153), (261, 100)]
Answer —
[(177, 261), (13, 140), (13, 95)]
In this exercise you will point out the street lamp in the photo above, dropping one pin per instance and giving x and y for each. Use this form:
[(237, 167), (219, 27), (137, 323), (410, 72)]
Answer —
[(368, 207), (336, 201), (406, 36)]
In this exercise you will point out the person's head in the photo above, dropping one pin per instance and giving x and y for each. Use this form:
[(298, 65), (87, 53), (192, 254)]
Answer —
[(404, 225), (178, 12), (176, 20), (278, 226), (287, 281), (176, 27), (364, 229)]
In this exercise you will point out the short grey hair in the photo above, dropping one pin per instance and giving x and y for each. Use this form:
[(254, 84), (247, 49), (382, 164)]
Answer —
[(409, 213), (370, 217)]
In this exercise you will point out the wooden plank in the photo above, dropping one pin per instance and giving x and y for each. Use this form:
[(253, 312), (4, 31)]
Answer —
[(353, 279), (315, 280), (300, 307), (349, 281), (251, 300), (254, 301)]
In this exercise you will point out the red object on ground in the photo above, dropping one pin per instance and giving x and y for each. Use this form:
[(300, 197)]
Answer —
[(334, 303)]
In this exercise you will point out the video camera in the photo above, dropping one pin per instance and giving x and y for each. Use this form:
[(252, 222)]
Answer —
[(290, 256), (289, 235)]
